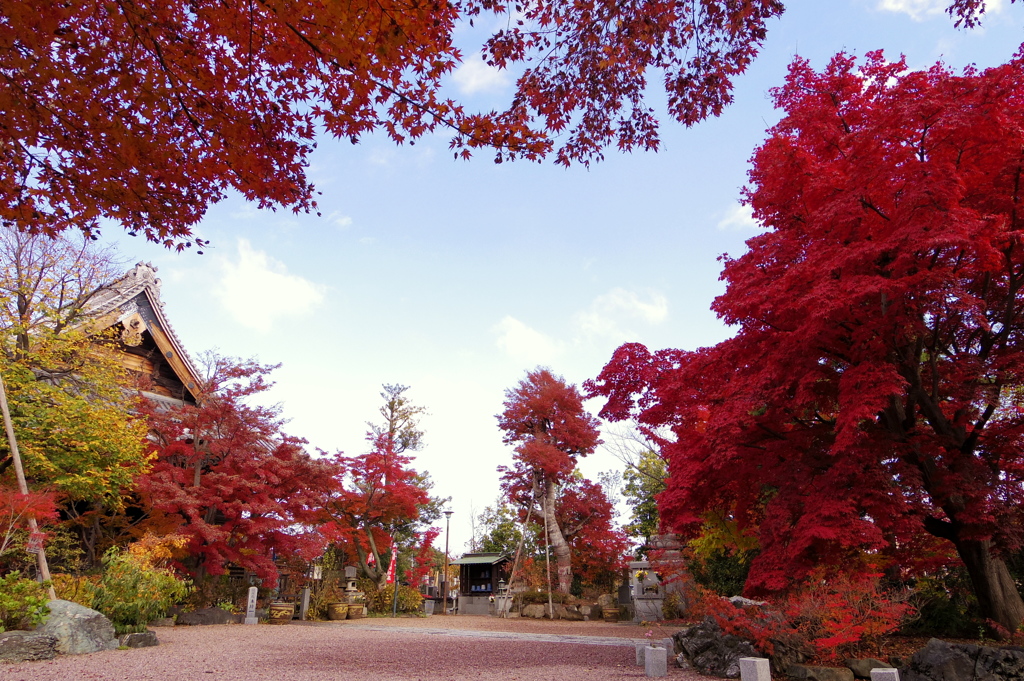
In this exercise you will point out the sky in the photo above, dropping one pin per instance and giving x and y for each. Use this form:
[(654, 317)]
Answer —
[(456, 278)]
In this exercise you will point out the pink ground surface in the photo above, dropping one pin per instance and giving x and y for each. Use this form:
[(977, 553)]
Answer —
[(463, 647)]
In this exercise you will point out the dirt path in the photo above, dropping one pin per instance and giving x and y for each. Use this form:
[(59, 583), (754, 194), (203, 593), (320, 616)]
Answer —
[(458, 648)]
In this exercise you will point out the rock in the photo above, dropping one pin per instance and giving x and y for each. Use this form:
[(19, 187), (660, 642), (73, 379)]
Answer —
[(559, 609), (534, 610), (78, 629), (206, 616), (862, 668), (162, 622), (787, 652), (942, 661), (18, 646), (799, 671), (573, 614), (607, 601), (1000, 663), (710, 651), (142, 639), (741, 602)]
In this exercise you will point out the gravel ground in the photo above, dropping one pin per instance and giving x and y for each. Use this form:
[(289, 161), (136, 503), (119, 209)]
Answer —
[(458, 648)]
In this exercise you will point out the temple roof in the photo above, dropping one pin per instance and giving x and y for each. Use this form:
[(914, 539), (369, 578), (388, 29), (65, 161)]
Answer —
[(134, 303)]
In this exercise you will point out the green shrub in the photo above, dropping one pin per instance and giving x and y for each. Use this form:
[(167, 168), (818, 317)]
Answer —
[(946, 605), (81, 590), (723, 571), (133, 592), (542, 597), (409, 599), (22, 602)]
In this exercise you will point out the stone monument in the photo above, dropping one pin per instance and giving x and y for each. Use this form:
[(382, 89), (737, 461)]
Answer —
[(250, 607)]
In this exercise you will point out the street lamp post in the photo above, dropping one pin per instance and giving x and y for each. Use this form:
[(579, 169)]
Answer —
[(444, 602)]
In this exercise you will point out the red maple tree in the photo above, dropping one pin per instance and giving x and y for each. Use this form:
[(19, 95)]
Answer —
[(146, 112), (226, 476), (376, 496), (545, 420), (871, 397)]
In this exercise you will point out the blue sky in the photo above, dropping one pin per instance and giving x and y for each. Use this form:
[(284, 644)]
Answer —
[(456, 277)]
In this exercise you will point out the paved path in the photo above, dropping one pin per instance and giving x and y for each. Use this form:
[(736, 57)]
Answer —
[(507, 635)]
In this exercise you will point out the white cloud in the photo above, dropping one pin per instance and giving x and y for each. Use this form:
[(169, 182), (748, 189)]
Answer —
[(607, 314), (529, 346), (258, 290), (919, 10), (738, 218), (474, 75), (338, 219)]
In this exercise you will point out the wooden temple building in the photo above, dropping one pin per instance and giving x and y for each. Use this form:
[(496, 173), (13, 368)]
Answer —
[(145, 342)]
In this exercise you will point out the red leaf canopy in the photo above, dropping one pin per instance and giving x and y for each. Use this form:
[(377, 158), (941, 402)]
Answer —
[(147, 111), (870, 400)]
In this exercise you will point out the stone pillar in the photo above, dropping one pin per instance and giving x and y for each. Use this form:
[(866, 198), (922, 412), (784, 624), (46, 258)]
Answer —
[(885, 675), (655, 661), (755, 669), (250, 607), (305, 604)]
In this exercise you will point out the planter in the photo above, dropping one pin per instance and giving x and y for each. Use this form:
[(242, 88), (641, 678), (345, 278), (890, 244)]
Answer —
[(355, 611), (281, 613), (337, 611), (610, 614)]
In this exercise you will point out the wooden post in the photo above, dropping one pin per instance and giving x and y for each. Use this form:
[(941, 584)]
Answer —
[(19, 472)]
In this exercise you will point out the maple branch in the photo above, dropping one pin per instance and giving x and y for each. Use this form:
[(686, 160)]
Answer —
[(865, 203)]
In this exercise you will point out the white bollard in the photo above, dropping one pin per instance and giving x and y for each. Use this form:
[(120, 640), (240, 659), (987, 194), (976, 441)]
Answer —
[(755, 669), (885, 675), (655, 661)]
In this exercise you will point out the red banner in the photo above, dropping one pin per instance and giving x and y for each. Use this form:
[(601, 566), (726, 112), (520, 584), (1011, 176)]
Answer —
[(391, 568)]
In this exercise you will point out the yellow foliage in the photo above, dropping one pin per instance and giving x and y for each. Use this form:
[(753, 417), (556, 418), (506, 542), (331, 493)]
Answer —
[(157, 552)]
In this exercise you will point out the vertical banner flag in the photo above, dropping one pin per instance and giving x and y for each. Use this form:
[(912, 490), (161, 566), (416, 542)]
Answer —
[(391, 568)]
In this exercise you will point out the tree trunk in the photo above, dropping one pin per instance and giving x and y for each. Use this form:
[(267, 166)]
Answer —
[(563, 557), (994, 588)]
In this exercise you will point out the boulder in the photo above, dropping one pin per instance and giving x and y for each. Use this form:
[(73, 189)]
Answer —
[(804, 673), (18, 646), (786, 652), (143, 639), (942, 661), (534, 610), (712, 652), (559, 609), (206, 616), (607, 601), (573, 614), (741, 602), (862, 668), (78, 629)]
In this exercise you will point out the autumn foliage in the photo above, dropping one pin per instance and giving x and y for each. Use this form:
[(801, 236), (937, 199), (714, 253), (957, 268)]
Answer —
[(226, 478), (869, 403), (545, 420), (830, 617), (373, 497), (147, 112)]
